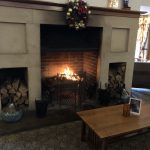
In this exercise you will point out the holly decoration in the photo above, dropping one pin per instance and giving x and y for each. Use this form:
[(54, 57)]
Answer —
[(77, 14)]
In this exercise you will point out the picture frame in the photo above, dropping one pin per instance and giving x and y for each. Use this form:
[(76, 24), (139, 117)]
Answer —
[(135, 106), (113, 4)]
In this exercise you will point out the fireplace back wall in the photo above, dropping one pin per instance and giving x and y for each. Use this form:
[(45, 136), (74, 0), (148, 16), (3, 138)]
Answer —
[(80, 62)]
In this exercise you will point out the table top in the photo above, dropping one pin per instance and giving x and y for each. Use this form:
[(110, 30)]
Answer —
[(109, 122)]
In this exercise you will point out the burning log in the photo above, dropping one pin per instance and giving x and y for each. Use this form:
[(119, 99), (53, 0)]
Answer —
[(69, 75)]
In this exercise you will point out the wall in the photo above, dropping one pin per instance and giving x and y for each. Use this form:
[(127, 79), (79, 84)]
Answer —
[(20, 46), (134, 4), (145, 2)]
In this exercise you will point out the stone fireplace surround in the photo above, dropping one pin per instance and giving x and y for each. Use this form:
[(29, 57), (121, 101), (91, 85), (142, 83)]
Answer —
[(20, 40)]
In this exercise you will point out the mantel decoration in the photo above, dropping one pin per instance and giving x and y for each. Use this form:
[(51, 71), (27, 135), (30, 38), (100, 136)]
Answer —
[(113, 3), (119, 4), (77, 14), (125, 4)]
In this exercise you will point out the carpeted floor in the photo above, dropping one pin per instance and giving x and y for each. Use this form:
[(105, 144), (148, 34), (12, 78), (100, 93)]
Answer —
[(65, 137)]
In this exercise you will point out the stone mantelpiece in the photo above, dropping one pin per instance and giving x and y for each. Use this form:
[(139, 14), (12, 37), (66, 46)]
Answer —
[(45, 5), (20, 31)]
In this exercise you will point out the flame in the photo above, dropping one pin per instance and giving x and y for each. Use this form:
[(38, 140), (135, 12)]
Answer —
[(69, 74)]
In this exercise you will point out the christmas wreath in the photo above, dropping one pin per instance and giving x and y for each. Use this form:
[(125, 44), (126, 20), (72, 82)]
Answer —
[(77, 14)]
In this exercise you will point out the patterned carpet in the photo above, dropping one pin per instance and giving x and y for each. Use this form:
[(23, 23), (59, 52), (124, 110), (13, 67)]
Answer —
[(65, 137)]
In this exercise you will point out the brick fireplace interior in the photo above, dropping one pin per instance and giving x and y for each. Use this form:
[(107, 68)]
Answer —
[(63, 48)]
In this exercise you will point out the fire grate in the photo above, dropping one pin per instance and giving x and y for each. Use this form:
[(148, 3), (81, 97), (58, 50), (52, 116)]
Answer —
[(60, 91), (70, 92)]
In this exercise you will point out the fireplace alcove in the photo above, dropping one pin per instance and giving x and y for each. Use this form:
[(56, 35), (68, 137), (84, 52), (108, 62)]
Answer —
[(62, 47), (14, 86), (116, 79)]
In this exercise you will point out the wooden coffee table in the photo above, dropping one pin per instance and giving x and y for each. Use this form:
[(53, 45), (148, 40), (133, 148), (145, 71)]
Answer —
[(108, 123)]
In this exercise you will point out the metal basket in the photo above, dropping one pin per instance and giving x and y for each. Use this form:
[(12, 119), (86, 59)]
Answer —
[(11, 116)]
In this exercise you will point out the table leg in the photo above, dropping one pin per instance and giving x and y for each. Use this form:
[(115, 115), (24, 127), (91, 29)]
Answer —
[(103, 145), (83, 132)]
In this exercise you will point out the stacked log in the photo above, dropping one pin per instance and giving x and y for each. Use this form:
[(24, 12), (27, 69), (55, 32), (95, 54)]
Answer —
[(14, 91), (116, 79)]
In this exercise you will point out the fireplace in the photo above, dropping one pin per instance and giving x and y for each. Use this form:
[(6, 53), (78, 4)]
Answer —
[(110, 38), (64, 49)]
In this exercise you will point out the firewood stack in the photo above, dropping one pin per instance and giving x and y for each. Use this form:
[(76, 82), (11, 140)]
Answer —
[(14, 91), (116, 80)]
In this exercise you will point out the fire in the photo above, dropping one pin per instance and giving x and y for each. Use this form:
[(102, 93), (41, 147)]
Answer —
[(69, 74)]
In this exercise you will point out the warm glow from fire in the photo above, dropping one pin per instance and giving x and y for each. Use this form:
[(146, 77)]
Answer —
[(69, 74)]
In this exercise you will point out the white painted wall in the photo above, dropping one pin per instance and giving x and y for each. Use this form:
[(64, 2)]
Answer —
[(134, 4), (145, 8), (145, 2)]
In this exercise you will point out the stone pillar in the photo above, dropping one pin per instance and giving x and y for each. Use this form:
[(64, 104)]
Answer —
[(34, 63)]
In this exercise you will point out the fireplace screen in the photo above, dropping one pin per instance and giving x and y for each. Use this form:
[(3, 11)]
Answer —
[(65, 88)]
